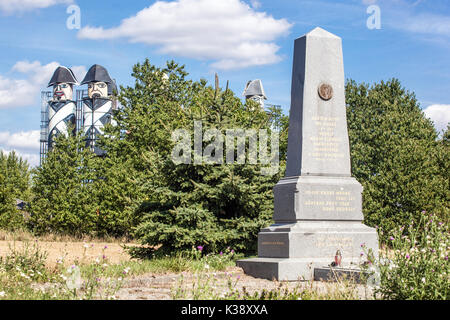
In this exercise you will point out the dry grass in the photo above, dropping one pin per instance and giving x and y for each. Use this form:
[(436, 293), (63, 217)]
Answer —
[(68, 250)]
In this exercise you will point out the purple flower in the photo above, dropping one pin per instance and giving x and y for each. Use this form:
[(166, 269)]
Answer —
[(232, 251), (200, 248), (106, 247), (221, 253), (407, 256), (391, 238), (446, 258)]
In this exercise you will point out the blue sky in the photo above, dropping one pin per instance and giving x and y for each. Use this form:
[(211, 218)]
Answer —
[(241, 40)]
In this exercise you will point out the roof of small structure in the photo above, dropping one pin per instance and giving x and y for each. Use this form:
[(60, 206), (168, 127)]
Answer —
[(63, 74), (254, 88)]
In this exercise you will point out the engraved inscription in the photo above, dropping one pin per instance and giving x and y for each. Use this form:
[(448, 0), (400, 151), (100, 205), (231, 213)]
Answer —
[(325, 145), (334, 242), (330, 200), (273, 243)]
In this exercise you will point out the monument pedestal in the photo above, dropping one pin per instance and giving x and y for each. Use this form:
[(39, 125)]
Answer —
[(290, 252), (318, 206)]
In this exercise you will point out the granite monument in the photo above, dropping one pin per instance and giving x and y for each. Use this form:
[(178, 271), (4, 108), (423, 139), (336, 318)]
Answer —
[(318, 205)]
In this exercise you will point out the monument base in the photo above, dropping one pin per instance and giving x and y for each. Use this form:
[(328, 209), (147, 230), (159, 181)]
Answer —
[(280, 269), (288, 269), (291, 252)]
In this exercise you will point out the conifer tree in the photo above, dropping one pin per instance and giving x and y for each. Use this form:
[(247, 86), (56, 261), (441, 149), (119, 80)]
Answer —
[(189, 204), (63, 200), (395, 155)]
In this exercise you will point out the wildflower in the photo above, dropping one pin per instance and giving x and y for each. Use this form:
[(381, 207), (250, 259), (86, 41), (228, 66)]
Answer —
[(446, 258), (407, 256), (423, 280), (2, 293), (86, 245), (106, 247), (126, 270), (200, 248), (221, 253), (206, 266), (391, 238)]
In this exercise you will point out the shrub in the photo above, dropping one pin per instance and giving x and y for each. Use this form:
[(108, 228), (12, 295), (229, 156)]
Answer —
[(416, 265), (396, 155)]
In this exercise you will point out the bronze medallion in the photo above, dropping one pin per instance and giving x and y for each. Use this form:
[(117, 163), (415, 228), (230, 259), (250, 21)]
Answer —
[(325, 91)]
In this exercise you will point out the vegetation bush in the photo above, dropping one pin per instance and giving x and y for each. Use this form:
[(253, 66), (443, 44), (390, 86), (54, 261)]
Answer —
[(14, 184), (396, 155), (416, 266), (186, 205)]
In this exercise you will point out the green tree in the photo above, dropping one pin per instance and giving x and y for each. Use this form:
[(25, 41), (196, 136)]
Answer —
[(189, 204), (17, 174), (8, 212), (63, 200), (14, 184), (395, 155)]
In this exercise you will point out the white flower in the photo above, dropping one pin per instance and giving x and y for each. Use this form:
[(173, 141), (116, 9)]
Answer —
[(86, 245), (423, 280), (2, 293), (206, 266)]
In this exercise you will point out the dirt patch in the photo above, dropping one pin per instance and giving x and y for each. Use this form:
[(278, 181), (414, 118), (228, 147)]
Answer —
[(163, 286), (69, 252)]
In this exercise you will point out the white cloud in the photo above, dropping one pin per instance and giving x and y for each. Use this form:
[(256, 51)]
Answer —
[(228, 32), (12, 6), (426, 24), (255, 4), (407, 16), (25, 144), (439, 114), (25, 92)]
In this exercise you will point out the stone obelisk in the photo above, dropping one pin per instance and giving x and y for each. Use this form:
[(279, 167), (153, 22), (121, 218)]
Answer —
[(318, 205)]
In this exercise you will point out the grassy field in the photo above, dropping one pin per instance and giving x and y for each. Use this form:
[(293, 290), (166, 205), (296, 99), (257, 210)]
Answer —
[(61, 268)]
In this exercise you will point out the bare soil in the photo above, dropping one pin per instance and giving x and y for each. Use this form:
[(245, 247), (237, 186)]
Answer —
[(154, 286), (70, 252)]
